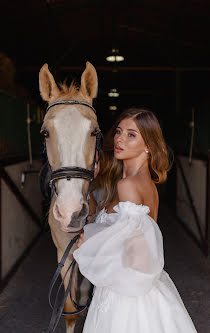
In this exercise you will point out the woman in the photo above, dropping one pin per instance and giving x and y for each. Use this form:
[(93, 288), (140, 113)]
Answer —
[(122, 252)]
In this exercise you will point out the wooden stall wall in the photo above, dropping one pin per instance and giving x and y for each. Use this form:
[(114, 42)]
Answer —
[(21, 213), (13, 134), (192, 198)]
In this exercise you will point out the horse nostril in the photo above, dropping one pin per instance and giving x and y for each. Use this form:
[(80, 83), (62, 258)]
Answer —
[(78, 217), (57, 212), (83, 211)]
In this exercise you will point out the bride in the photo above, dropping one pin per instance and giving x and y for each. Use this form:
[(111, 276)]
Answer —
[(122, 252)]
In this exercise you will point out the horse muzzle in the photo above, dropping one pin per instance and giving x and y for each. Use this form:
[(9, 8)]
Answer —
[(78, 218), (70, 220)]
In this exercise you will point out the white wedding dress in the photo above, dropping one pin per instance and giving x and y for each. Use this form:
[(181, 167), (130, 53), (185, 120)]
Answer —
[(122, 256)]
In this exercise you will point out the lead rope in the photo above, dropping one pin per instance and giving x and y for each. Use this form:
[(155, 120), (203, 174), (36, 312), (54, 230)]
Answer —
[(58, 306)]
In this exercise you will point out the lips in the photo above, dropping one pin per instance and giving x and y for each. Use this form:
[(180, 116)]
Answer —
[(117, 149)]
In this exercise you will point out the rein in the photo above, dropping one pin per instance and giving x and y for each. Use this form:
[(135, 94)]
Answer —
[(68, 173), (58, 306)]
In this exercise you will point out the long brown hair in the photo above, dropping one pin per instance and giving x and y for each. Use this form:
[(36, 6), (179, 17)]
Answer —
[(111, 169)]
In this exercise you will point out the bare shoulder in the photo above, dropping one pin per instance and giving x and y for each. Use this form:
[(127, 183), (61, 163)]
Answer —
[(128, 190)]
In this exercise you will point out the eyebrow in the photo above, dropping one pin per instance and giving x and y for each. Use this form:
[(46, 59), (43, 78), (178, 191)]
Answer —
[(129, 129)]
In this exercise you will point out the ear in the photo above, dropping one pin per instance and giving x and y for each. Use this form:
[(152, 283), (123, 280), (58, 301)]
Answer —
[(47, 85), (89, 82)]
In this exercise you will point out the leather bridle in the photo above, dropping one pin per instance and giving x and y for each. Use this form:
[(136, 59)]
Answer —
[(75, 171), (68, 173)]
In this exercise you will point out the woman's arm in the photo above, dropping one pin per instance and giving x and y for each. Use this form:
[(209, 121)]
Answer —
[(126, 256)]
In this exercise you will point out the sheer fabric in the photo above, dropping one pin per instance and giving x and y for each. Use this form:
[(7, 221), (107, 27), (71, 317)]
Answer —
[(122, 256)]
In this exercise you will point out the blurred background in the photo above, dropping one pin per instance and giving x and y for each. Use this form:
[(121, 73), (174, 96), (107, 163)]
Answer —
[(163, 48), (152, 53)]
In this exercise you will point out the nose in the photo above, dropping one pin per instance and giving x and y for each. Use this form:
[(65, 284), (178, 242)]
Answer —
[(119, 139), (74, 219), (58, 214), (78, 217)]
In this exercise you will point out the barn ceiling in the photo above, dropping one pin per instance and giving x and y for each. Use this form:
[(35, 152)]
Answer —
[(68, 32), (153, 36)]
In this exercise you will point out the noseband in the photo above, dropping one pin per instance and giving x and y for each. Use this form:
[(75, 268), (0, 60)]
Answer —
[(75, 171)]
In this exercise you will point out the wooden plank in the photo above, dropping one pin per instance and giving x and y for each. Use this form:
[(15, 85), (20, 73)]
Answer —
[(20, 197), (3, 282)]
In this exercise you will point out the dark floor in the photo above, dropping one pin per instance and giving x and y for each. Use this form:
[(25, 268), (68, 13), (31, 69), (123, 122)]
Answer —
[(24, 303)]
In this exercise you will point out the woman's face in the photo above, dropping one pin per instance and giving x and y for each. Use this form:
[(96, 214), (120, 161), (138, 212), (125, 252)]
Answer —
[(128, 142)]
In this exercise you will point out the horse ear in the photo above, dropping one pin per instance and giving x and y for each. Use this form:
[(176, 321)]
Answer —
[(89, 81), (47, 85)]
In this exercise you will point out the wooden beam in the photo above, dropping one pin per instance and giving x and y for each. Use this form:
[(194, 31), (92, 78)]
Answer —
[(121, 68), (6, 178)]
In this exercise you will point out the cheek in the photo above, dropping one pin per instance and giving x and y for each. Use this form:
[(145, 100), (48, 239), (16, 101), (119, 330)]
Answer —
[(53, 155), (89, 152), (135, 145), (85, 187), (132, 142)]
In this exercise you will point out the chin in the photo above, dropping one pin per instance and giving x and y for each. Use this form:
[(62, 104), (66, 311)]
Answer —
[(118, 157)]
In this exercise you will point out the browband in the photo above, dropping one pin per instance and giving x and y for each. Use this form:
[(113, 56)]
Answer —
[(71, 102)]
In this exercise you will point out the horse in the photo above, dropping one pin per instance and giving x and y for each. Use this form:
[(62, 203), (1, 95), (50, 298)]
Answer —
[(70, 133)]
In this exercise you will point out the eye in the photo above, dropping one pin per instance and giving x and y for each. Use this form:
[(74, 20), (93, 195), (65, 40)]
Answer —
[(117, 131), (95, 132), (131, 135), (45, 133)]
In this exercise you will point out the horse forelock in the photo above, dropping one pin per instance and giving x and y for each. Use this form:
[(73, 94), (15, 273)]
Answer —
[(69, 91)]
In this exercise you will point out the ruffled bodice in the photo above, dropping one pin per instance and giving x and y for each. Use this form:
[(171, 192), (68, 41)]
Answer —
[(122, 251), (126, 208)]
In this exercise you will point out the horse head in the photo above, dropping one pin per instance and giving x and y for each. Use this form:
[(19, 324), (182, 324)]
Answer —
[(70, 141)]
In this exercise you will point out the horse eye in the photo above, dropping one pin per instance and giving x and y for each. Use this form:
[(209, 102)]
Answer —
[(46, 134), (95, 132)]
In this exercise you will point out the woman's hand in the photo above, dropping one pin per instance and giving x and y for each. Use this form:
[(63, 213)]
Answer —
[(80, 239)]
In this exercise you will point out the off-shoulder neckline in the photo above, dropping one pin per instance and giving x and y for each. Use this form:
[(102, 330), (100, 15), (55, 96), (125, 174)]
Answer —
[(120, 202)]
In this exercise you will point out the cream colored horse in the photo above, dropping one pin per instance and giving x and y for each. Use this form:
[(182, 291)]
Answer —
[(67, 129)]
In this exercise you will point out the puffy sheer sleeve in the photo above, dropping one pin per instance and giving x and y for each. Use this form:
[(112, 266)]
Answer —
[(125, 253)]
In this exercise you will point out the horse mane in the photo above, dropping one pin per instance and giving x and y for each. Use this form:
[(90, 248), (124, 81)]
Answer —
[(69, 91)]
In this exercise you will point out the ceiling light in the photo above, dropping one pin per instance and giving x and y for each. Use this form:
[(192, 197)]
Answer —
[(113, 93), (112, 107), (115, 56)]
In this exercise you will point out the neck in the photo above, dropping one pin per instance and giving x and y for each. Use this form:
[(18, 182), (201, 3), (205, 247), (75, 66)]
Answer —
[(134, 166)]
